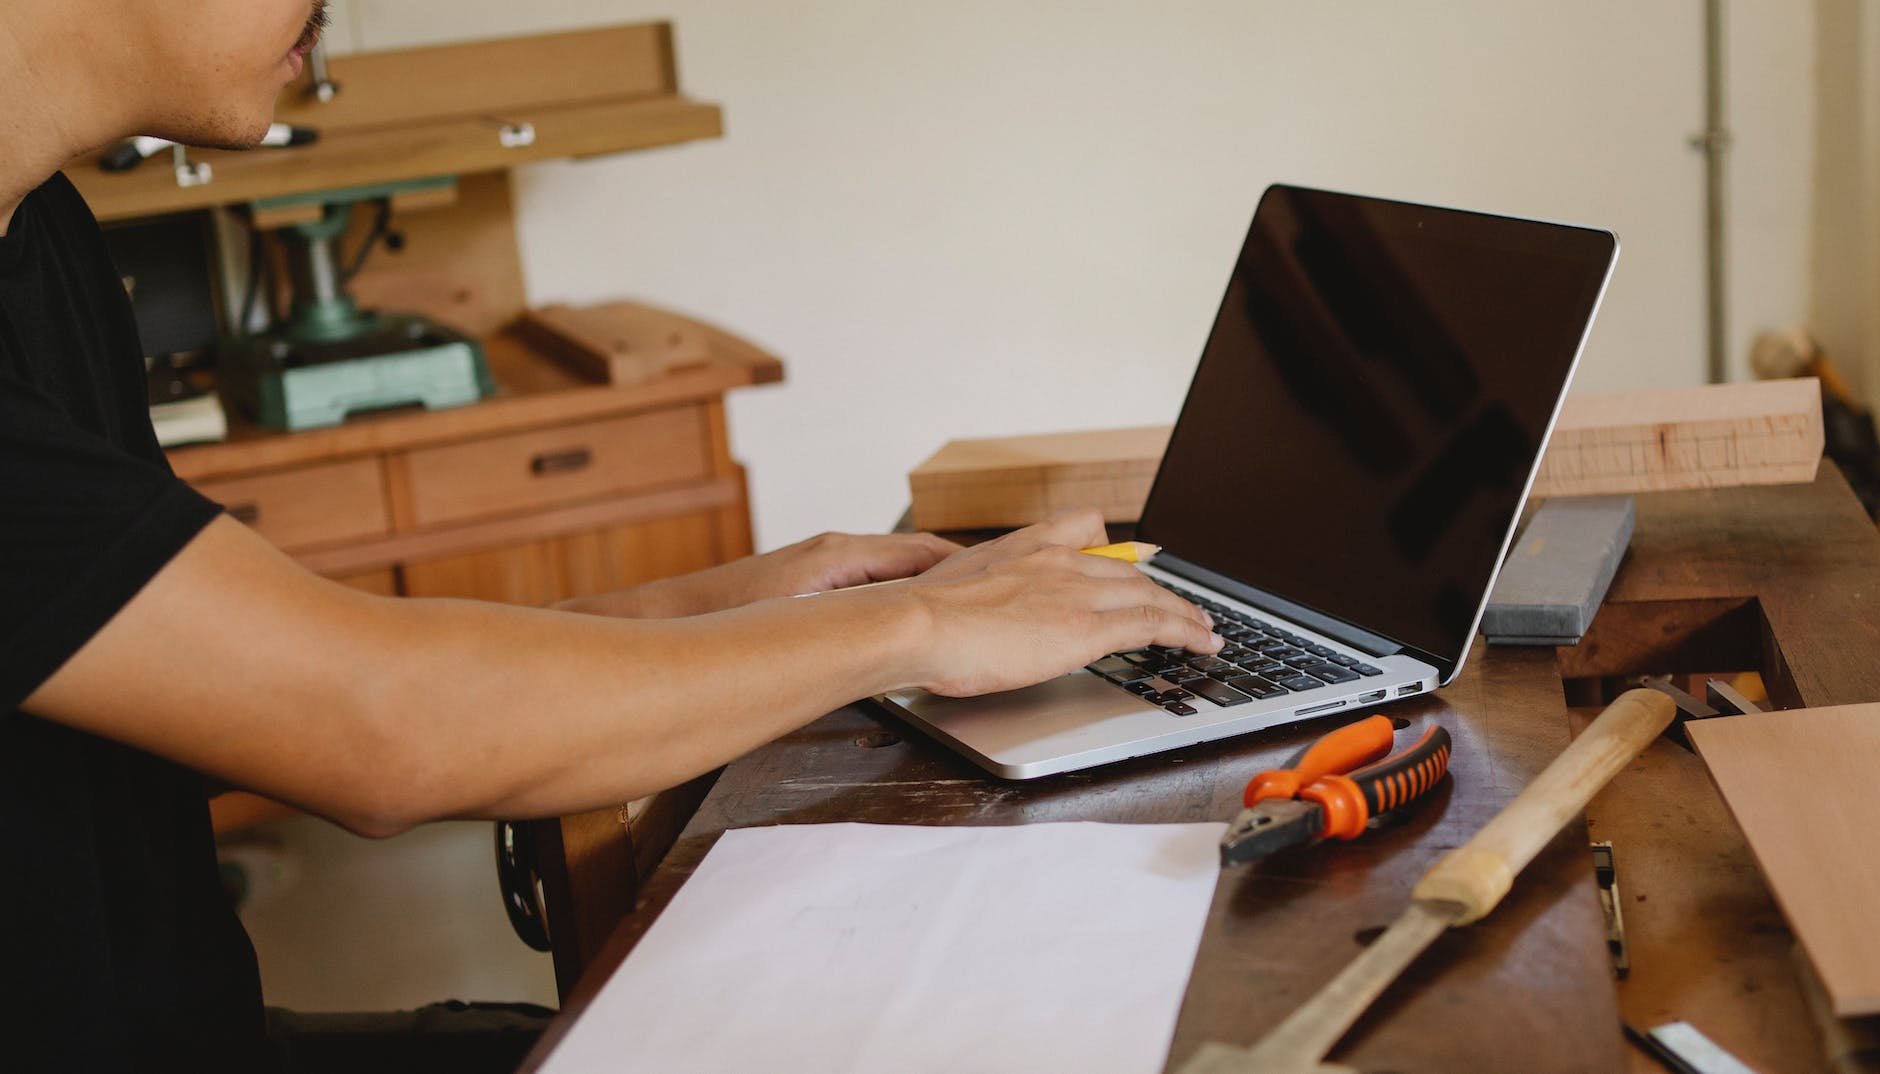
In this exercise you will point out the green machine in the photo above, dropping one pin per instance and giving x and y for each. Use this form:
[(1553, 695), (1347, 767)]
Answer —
[(329, 358)]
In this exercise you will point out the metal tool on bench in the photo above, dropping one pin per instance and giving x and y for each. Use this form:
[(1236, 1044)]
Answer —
[(1720, 699), (330, 358), (1462, 887), (1334, 789)]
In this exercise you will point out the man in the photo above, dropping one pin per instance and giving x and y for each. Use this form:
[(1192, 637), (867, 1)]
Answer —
[(148, 643)]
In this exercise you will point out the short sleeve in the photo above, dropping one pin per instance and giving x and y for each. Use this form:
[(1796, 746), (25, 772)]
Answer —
[(83, 527)]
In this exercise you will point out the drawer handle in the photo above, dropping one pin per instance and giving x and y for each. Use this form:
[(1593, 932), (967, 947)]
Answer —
[(248, 514), (561, 462)]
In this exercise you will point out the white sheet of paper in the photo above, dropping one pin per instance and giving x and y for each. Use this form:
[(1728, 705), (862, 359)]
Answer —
[(859, 949)]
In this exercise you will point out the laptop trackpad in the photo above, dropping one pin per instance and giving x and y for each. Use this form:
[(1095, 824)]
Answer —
[(1059, 717)]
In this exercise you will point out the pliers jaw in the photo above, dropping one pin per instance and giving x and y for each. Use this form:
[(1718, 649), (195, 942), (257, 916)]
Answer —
[(1273, 824)]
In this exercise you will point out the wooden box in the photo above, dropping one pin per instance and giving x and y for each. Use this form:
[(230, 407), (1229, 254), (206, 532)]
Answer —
[(1018, 480)]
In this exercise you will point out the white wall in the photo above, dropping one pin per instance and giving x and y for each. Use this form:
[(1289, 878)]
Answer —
[(988, 217)]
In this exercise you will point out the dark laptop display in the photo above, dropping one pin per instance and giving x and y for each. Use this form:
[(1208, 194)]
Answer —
[(1365, 419), (1370, 407)]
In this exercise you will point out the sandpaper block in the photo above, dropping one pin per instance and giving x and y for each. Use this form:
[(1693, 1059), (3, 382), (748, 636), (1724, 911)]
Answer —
[(1559, 571)]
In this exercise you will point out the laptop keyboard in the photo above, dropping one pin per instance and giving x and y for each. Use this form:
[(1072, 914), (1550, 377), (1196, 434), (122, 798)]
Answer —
[(1260, 660)]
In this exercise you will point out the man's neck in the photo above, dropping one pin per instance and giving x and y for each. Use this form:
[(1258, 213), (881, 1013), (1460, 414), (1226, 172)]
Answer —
[(49, 113)]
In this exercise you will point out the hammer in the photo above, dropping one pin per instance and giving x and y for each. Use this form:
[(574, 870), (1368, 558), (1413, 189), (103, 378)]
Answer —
[(1460, 888)]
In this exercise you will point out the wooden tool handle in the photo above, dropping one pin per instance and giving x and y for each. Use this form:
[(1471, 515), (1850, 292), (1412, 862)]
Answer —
[(1478, 873)]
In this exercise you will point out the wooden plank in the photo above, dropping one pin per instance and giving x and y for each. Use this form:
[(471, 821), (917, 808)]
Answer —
[(1018, 480), (1768, 432), (617, 343), (1800, 785), (493, 77), (1759, 433)]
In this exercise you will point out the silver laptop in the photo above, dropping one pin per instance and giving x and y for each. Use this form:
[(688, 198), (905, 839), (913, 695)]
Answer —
[(1341, 485)]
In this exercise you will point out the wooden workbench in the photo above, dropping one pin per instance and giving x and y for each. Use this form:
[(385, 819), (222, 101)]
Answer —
[(1777, 579)]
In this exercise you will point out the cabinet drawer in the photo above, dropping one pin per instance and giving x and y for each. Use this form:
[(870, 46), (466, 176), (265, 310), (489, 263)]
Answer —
[(525, 471), (309, 505)]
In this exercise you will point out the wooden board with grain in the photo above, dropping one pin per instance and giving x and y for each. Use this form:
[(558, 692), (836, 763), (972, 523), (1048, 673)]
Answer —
[(1018, 480), (1761, 433), (618, 343), (1800, 784)]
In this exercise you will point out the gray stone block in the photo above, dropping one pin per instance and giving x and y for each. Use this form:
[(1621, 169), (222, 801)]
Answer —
[(1559, 571)]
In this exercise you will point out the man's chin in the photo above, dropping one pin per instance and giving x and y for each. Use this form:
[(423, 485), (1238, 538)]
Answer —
[(225, 131)]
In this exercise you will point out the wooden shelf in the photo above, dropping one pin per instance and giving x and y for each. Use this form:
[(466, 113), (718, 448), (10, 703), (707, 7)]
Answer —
[(423, 113), (359, 158)]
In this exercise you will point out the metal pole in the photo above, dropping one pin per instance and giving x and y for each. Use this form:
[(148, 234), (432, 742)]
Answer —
[(1712, 141)]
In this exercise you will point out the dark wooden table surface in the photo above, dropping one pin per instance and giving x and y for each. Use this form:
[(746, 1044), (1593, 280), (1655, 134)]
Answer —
[(1781, 579)]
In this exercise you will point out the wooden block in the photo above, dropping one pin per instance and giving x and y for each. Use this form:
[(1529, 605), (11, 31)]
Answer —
[(1018, 480), (1759, 433), (619, 343), (1800, 784)]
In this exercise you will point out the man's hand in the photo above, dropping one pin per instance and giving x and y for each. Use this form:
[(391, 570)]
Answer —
[(1029, 606)]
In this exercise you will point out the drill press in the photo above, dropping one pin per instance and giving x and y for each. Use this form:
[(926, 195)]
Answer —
[(329, 358)]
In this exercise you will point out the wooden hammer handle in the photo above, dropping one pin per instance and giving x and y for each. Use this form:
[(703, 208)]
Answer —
[(1478, 873)]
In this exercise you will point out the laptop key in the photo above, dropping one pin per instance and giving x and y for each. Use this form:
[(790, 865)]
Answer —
[(1298, 683), (1180, 709), (1257, 686), (1207, 663), (1224, 696), (1366, 670), (1181, 676), (1229, 672), (1141, 657), (1303, 660), (1116, 669), (1331, 673), (1285, 653), (1145, 687), (1344, 661)]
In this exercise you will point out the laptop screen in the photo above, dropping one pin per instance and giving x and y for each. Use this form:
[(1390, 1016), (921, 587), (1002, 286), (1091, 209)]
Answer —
[(1370, 404)]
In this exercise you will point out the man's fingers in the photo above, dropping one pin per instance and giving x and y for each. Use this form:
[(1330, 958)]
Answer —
[(1079, 528), (1150, 624), (905, 554)]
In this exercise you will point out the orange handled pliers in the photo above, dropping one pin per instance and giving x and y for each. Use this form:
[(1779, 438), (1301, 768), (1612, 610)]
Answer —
[(1333, 788)]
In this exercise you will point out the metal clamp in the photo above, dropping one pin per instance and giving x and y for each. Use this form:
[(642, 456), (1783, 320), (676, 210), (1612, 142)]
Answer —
[(322, 88), (190, 173)]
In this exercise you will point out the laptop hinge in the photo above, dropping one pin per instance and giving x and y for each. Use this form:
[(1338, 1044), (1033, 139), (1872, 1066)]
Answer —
[(1337, 629)]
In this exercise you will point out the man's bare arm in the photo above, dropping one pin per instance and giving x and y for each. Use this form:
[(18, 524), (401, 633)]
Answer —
[(828, 561), (381, 713)]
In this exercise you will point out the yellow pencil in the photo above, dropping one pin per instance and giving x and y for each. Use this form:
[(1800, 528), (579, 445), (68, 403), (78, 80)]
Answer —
[(1128, 551)]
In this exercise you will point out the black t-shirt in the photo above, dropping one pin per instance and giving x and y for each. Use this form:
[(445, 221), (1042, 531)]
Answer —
[(118, 948)]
